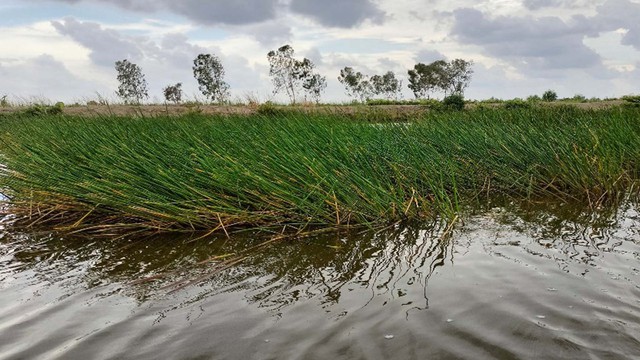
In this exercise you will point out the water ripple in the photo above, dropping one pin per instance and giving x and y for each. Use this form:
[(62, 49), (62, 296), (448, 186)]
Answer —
[(508, 283)]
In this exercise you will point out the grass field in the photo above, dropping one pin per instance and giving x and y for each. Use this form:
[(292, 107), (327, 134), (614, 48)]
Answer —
[(107, 173)]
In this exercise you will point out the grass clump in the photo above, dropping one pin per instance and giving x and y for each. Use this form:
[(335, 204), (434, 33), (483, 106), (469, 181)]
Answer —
[(216, 173), (43, 110)]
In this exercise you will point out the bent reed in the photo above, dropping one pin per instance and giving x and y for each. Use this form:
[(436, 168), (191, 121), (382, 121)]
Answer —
[(195, 172)]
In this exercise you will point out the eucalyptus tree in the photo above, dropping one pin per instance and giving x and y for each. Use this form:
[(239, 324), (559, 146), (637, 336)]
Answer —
[(448, 77), (173, 93), (425, 79), (314, 86), (133, 86), (386, 85), (209, 72), (457, 76), (356, 84), (363, 87), (292, 76)]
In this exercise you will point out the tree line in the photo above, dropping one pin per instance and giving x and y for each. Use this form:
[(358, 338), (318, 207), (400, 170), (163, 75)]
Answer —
[(296, 78)]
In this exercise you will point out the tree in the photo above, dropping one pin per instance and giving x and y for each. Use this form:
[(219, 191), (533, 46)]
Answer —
[(387, 85), (291, 75), (458, 74), (173, 93), (209, 72), (356, 84), (449, 77), (315, 85), (549, 96), (133, 86), (424, 79)]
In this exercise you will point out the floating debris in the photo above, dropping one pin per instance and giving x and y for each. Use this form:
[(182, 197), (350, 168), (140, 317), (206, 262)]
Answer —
[(449, 320), (541, 316), (389, 337)]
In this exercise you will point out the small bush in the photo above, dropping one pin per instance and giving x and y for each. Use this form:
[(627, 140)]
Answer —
[(269, 109), (534, 99), (549, 96), (432, 104), (517, 103), (631, 100), (3, 101), (491, 100), (454, 102), (579, 98), (44, 110)]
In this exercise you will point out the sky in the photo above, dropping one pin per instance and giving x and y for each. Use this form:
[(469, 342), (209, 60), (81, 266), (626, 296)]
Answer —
[(65, 50)]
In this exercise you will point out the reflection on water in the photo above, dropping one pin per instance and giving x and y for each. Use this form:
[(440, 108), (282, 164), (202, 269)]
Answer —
[(512, 282), (381, 265)]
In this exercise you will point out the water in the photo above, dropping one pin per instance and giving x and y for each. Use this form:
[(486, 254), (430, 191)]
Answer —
[(508, 283)]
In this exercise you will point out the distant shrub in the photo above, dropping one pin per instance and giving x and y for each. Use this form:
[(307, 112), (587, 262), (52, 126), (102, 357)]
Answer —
[(549, 96), (579, 98), (454, 102), (631, 100), (3, 101), (483, 106), (517, 103), (534, 99), (92, 103), (492, 100), (269, 109), (44, 110), (430, 103)]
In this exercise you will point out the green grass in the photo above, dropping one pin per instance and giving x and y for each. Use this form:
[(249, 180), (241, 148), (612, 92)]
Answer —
[(219, 173)]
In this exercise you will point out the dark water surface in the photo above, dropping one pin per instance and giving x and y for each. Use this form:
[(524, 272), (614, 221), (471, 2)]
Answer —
[(551, 283)]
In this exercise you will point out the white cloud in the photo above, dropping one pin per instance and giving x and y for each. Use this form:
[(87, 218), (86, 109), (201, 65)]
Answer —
[(570, 45), (44, 77)]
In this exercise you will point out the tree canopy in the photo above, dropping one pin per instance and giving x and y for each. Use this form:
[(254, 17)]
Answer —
[(448, 77), (209, 72), (133, 86), (293, 76)]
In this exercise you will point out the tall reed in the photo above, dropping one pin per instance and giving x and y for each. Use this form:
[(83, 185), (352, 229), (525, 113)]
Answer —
[(216, 173)]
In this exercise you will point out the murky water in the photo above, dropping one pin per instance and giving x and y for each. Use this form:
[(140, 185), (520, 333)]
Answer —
[(507, 283)]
